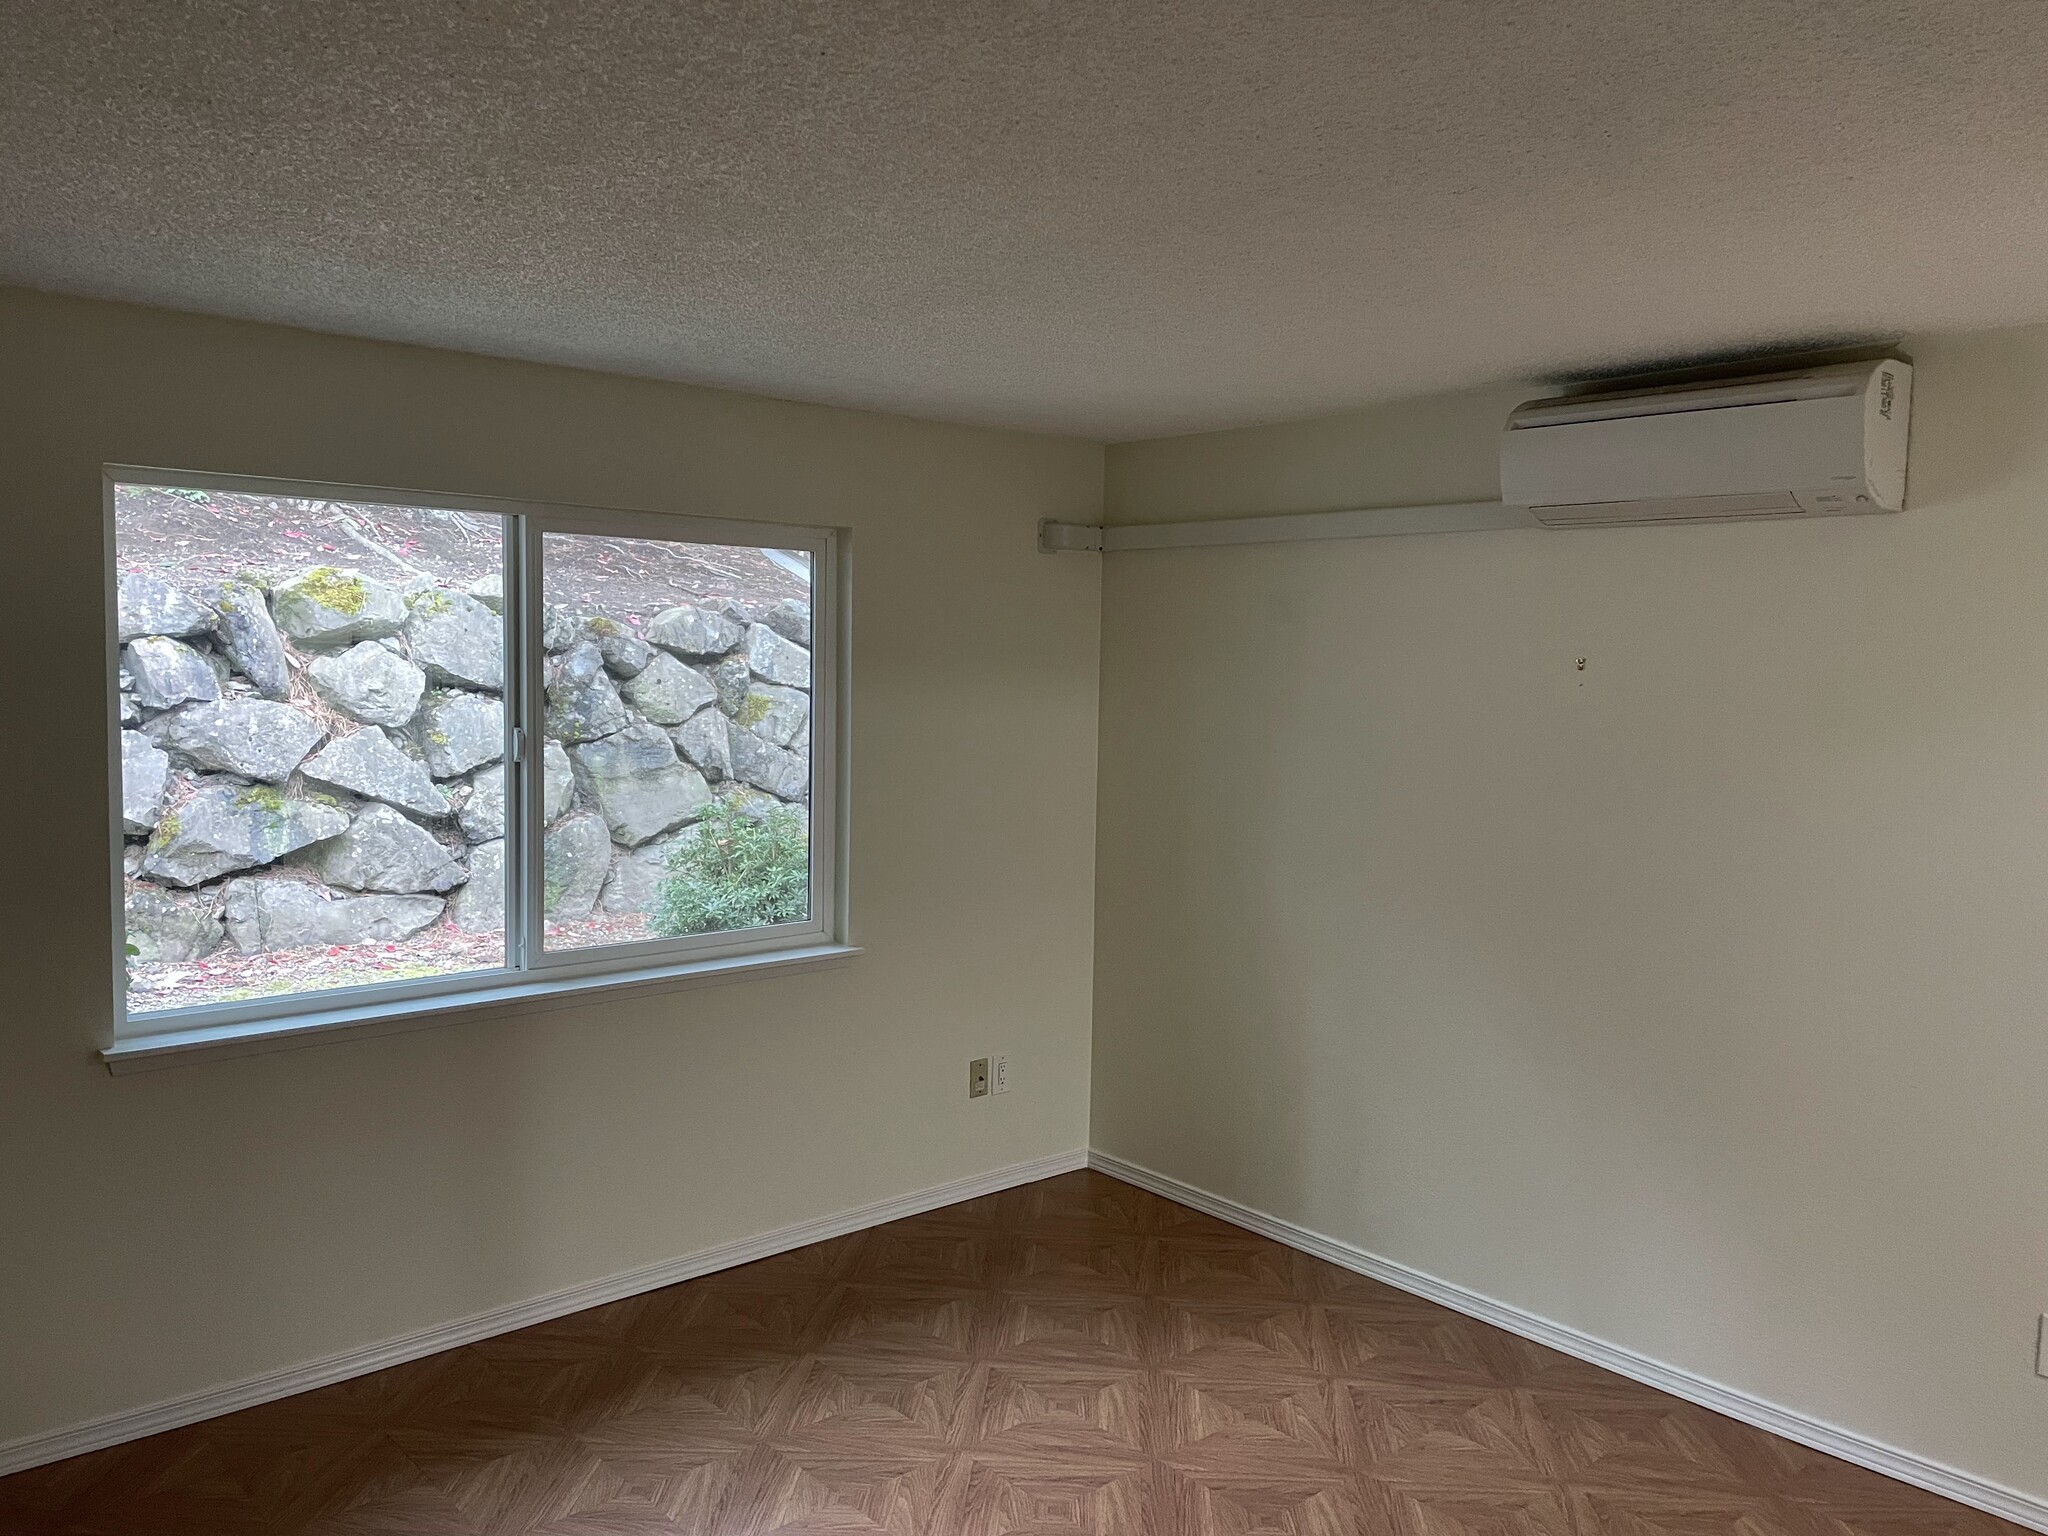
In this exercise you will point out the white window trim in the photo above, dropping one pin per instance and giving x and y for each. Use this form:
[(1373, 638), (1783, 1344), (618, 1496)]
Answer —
[(532, 978), (175, 1047)]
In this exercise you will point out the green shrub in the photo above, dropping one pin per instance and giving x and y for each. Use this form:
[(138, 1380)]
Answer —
[(736, 872)]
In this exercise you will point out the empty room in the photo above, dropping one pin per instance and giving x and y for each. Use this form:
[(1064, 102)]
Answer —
[(1024, 768)]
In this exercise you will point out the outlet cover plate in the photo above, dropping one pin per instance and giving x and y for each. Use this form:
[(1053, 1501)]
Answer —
[(977, 1078), (999, 1081)]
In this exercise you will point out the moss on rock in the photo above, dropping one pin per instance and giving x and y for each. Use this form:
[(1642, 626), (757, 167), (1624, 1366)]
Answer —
[(331, 589)]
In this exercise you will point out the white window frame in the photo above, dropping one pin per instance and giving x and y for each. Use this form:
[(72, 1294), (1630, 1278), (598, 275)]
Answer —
[(532, 976)]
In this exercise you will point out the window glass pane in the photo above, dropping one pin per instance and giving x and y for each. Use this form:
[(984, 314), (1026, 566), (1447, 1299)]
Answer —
[(678, 726), (312, 737)]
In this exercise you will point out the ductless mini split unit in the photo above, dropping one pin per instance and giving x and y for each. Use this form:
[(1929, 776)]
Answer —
[(1816, 443), (1812, 442)]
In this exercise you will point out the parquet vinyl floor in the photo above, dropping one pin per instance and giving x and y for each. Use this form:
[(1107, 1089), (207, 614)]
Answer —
[(1073, 1356)]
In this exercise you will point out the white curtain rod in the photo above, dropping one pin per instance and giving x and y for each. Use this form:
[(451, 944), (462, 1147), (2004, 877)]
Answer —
[(1357, 523)]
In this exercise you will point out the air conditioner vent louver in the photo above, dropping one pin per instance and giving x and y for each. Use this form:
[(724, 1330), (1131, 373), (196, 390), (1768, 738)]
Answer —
[(1697, 509)]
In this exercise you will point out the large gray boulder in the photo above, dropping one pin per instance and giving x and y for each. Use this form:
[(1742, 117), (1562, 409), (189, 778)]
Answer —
[(168, 673), (145, 770), (325, 609), (639, 787), (777, 660), (558, 782), (732, 679), (278, 912), (368, 763), (172, 927), (148, 605), (369, 682), (576, 856), (479, 906), (483, 816), (775, 714), (791, 620), (457, 640), (667, 692), (251, 737), (638, 874), (702, 741), (386, 850), (693, 632), (489, 590), (786, 775), (756, 805), (624, 652), (583, 701), (559, 628), (251, 639), (227, 826), (459, 731)]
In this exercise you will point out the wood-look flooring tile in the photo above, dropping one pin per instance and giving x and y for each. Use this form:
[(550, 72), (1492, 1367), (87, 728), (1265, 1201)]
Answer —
[(1438, 1347), (1683, 1512), (933, 1325), (1232, 1421), (1091, 1265), (1078, 1330), (1064, 1495), (1070, 1205), (880, 1400), (1201, 1501), (1251, 1338), (1636, 1441), (925, 1259), (1071, 1358), (791, 1490), (1459, 1509), (618, 1492), (1245, 1269), (1050, 1410), (1450, 1435)]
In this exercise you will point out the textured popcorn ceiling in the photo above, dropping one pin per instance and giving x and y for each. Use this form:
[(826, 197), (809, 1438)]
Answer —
[(1118, 219)]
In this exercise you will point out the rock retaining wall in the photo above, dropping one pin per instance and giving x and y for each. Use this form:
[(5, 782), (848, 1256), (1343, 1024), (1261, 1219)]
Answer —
[(318, 760)]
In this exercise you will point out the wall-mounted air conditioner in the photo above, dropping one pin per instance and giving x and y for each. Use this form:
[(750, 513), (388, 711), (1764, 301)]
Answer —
[(1816, 442)]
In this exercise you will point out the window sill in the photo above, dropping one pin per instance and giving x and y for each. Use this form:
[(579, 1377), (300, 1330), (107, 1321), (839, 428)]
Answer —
[(170, 1048)]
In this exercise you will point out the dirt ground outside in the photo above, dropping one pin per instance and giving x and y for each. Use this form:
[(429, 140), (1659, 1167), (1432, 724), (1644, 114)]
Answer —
[(193, 537)]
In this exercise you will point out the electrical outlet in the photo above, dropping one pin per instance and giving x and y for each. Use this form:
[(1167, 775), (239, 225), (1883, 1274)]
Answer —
[(977, 1078), (2041, 1346), (1000, 1082)]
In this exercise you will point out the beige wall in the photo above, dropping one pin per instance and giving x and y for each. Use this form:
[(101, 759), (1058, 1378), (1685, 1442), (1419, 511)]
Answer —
[(1692, 1000), (1699, 999), (176, 1229)]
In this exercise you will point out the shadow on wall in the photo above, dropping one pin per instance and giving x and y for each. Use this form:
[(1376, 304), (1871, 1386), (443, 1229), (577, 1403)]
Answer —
[(1245, 852), (1990, 431)]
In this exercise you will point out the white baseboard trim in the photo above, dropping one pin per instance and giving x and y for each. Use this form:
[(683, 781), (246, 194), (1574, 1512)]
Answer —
[(1936, 1477), (176, 1412)]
